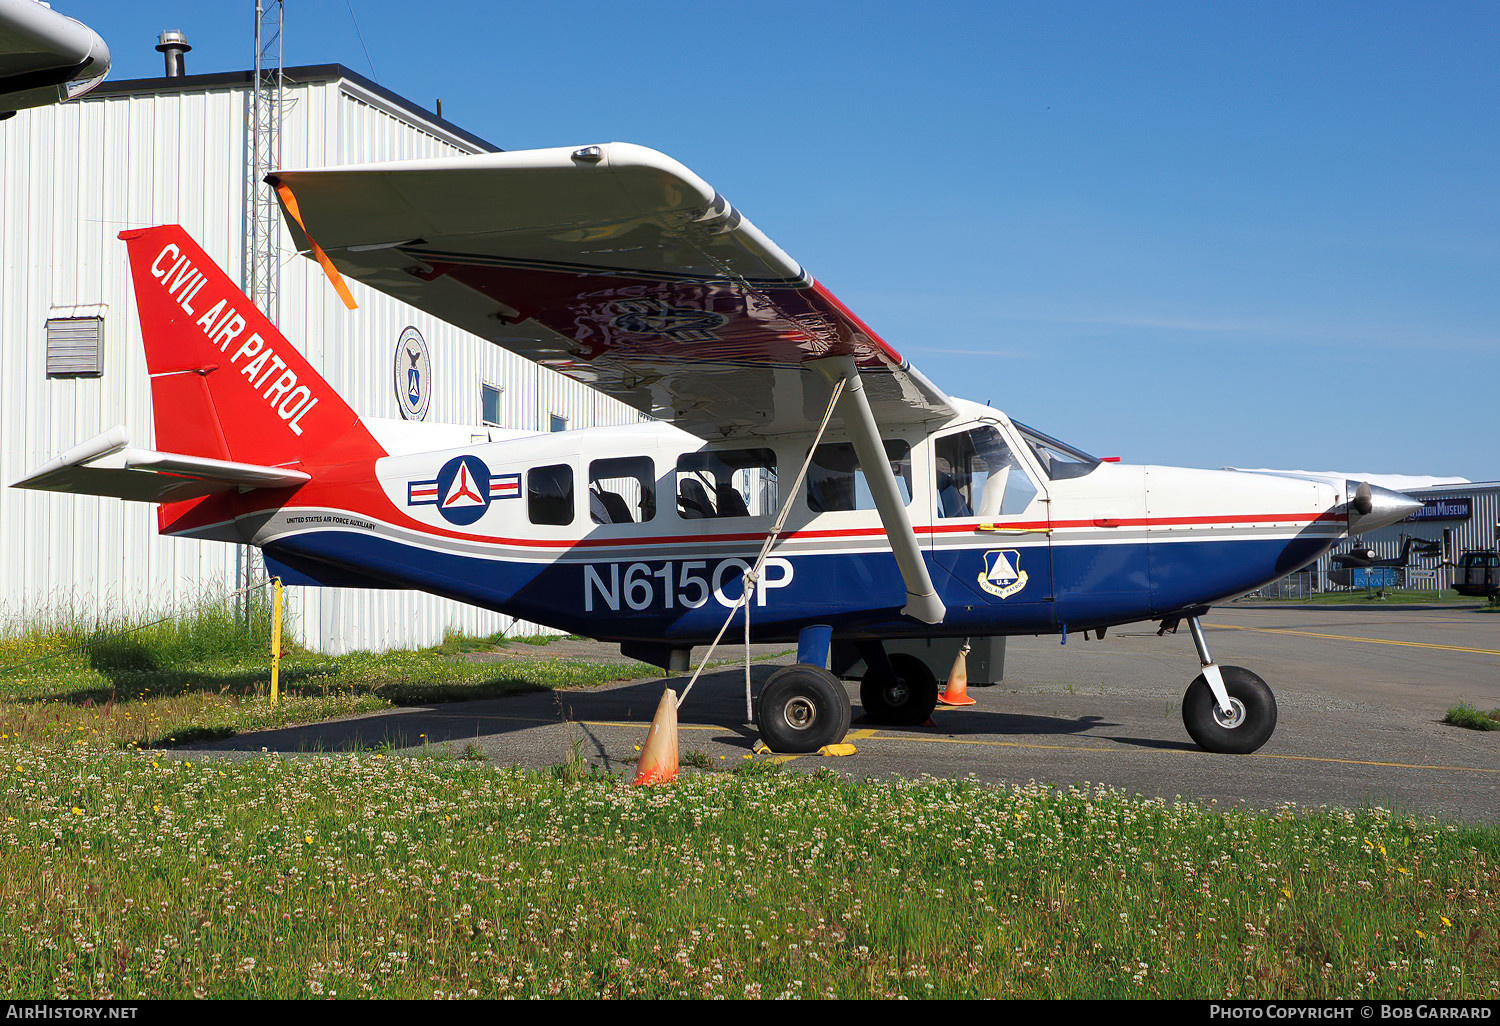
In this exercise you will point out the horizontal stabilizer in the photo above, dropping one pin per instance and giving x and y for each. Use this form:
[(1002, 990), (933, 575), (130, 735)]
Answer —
[(107, 465)]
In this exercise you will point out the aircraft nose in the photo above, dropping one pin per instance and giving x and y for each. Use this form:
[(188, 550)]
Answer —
[(1372, 507)]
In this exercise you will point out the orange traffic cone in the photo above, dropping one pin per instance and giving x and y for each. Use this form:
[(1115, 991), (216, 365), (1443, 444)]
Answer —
[(658, 761), (958, 681)]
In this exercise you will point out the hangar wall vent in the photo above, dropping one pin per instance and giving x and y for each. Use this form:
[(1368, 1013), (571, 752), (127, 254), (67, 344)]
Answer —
[(75, 345)]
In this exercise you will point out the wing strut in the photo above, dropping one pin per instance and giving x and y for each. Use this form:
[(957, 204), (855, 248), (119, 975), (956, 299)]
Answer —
[(922, 600)]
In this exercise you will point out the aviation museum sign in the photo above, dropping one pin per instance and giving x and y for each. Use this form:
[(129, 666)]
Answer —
[(1444, 509)]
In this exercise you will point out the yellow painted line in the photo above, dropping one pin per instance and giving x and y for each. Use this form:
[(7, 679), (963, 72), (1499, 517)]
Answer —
[(1168, 751), (876, 734), (587, 723), (1365, 762), (1345, 637)]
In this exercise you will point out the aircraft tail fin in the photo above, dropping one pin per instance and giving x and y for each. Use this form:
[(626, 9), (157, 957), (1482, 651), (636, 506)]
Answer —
[(225, 383)]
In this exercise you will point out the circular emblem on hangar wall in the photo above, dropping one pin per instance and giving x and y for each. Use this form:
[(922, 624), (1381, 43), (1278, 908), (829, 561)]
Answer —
[(413, 377)]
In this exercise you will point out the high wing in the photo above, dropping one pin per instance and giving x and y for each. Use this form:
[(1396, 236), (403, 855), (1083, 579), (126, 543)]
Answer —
[(615, 265), (618, 266), (45, 57), (106, 465)]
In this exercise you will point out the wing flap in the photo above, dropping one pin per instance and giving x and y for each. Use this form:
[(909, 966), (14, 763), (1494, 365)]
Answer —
[(107, 465)]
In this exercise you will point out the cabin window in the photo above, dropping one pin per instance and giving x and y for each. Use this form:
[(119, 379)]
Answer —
[(622, 491), (727, 483), (978, 475), (836, 482), (557, 422), (549, 494)]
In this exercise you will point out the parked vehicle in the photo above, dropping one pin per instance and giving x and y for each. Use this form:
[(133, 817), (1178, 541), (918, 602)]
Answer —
[(1477, 573)]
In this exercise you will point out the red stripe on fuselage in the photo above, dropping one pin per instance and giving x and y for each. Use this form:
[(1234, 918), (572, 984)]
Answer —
[(867, 532)]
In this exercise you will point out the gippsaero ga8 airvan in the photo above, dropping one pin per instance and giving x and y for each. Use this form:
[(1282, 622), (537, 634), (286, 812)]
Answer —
[(909, 513)]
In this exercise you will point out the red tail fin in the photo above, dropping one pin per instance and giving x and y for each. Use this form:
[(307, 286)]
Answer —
[(224, 382)]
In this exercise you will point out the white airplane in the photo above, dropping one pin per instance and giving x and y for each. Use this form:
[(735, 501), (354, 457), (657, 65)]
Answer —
[(45, 57), (919, 514)]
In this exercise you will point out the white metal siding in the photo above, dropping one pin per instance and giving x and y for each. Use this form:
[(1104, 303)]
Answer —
[(71, 178)]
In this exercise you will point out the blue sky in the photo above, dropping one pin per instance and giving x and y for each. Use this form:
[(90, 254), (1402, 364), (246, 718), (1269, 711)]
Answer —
[(1251, 234)]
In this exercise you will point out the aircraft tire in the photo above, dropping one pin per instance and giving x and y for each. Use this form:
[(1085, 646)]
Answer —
[(907, 702), (801, 709), (1255, 713)]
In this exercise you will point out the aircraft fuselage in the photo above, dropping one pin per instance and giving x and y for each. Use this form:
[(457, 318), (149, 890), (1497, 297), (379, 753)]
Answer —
[(643, 532)]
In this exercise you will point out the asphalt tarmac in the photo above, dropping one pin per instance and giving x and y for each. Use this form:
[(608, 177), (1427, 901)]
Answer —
[(1361, 694)]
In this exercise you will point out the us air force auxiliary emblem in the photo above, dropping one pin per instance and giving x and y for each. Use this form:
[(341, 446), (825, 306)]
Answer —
[(413, 377), (1002, 575)]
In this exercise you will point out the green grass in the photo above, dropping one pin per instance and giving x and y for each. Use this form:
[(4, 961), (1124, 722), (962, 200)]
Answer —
[(206, 674), (1358, 596), (137, 875), (1464, 715)]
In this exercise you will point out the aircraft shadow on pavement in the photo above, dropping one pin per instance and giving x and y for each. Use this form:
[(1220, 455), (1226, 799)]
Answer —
[(1154, 742), (717, 700)]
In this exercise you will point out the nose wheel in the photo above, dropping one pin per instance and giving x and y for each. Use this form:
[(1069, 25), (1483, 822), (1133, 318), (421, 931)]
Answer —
[(1244, 726), (1227, 709)]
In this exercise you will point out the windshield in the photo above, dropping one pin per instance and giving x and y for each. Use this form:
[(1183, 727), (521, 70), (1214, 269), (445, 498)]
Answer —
[(1059, 459)]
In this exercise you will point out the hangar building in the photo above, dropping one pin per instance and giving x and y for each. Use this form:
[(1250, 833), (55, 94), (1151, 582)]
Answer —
[(175, 150)]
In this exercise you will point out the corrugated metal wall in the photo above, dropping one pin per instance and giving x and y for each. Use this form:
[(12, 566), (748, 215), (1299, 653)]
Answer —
[(71, 178)]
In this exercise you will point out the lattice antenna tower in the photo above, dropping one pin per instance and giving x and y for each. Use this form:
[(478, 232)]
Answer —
[(262, 259), (263, 256)]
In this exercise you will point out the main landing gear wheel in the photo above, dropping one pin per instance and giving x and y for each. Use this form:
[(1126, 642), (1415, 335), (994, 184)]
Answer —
[(1245, 728), (802, 708), (906, 701)]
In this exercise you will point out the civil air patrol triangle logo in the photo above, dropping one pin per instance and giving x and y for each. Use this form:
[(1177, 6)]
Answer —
[(1002, 575), (463, 490)]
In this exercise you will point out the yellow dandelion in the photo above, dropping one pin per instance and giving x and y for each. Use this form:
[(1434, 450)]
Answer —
[(77, 811), (1287, 892), (1403, 872), (1420, 934), (1446, 920), (307, 839)]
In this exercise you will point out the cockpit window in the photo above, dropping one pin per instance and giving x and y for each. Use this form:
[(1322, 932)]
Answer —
[(977, 475), (1059, 459)]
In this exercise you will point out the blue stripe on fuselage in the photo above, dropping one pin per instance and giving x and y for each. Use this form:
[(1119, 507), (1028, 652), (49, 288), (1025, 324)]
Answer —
[(1084, 585)]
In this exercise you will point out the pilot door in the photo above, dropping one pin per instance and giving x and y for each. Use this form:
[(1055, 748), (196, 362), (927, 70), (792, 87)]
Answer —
[(990, 540)]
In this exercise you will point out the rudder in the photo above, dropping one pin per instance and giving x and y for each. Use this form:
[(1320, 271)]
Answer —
[(225, 383)]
